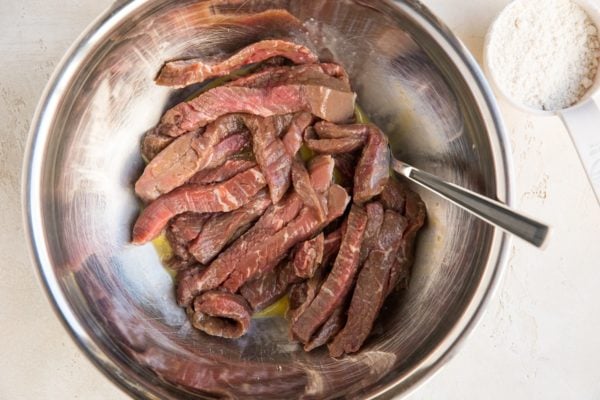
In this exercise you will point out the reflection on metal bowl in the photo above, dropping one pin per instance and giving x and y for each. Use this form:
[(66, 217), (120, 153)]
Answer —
[(414, 79)]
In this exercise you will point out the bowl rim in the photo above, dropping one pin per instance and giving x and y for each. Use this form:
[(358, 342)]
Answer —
[(31, 197)]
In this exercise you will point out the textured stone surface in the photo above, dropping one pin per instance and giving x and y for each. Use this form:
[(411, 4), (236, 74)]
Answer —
[(38, 358)]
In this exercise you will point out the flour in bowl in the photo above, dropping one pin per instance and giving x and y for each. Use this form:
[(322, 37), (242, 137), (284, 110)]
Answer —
[(544, 54)]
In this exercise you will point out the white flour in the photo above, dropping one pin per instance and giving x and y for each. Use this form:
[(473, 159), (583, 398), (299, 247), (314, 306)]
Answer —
[(544, 53)]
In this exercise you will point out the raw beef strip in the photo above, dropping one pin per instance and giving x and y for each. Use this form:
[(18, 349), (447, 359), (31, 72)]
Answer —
[(337, 71), (339, 281), (153, 143), (222, 197), (297, 296), (292, 139), (177, 264), (187, 226), (303, 186), (271, 155), (228, 147), (331, 245), (326, 103), (393, 196), (371, 285), (328, 330), (374, 221), (320, 169), (187, 272), (182, 73), (222, 229), (373, 169), (327, 130), (273, 249), (310, 134), (309, 256), (186, 155), (221, 314), (269, 287), (231, 168), (335, 146), (274, 219), (314, 74), (401, 270), (416, 213), (182, 230), (345, 165), (278, 215), (266, 289), (304, 293)]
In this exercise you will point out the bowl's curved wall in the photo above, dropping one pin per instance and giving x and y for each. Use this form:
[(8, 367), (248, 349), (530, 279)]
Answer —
[(413, 79)]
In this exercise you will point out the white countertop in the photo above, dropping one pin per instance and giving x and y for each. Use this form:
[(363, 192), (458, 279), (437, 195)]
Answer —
[(539, 338)]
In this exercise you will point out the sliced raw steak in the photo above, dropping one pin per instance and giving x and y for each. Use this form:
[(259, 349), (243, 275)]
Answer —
[(335, 146), (393, 196), (331, 245), (222, 197), (373, 169), (292, 139), (221, 314), (228, 170), (190, 271), (374, 221), (188, 154), (415, 212), (328, 130), (337, 71), (228, 147), (153, 143), (182, 230), (326, 103), (269, 287), (309, 256), (177, 264), (304, 293), (310, 134), (345, 165), (371, 285), (273, 249), (186, 72), (274, 219), (328, 330), (303, 186), (271, 155), (339, 281), (320, 169), (222, 229), (313, 74), (297, 297)]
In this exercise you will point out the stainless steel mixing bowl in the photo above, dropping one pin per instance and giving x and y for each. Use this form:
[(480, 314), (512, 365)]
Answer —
[(414, 79)]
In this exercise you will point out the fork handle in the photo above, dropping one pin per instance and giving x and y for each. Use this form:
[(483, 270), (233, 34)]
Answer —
[(491, 211)]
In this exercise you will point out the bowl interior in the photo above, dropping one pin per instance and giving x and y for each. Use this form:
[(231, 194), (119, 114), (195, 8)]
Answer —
[(412, 81)]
